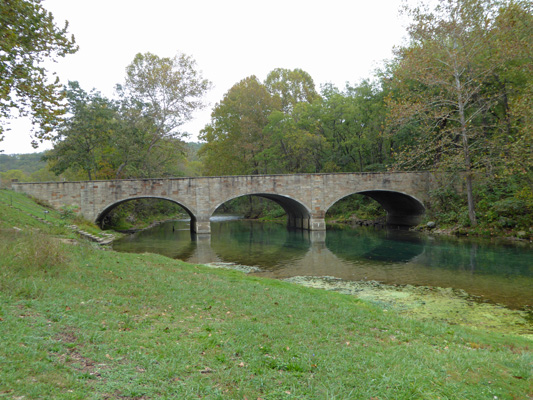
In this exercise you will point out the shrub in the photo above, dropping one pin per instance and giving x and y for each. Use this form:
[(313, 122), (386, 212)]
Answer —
[(25, 257), (68, 212)]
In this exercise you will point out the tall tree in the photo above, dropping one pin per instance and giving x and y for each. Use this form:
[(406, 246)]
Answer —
[(105, 139), (440, 79), (512, 85), (291, 86), (29, 36), (169, 89), (83, 137), (236, 137), (296, 141)]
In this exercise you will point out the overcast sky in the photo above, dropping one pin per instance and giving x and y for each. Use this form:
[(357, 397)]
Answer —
[(335, 41)]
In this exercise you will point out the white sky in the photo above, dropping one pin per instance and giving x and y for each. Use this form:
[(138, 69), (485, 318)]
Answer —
[(335, 41)]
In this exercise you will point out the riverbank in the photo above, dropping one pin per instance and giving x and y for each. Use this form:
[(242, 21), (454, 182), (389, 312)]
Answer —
[(423, 303), (427, 303), (485, 232)]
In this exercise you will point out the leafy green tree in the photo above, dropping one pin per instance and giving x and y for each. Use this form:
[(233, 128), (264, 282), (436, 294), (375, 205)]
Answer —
[(14, 174), (369, 123), (29, 36), (43, 175), (105, 139), (342, 130), (512, 86), (291, 87), (264, 127), (441, 79), (236, 137), (168, 89), (131, 150), (83, 137), (296, 142), (353, 123)]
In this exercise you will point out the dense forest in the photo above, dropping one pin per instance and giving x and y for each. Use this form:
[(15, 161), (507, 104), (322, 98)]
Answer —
[(457, 99)]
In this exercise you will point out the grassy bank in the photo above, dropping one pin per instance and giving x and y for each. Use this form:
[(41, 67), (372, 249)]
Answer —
[(79, 322)]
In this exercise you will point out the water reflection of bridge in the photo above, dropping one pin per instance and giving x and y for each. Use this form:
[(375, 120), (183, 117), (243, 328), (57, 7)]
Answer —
[(317, 260)]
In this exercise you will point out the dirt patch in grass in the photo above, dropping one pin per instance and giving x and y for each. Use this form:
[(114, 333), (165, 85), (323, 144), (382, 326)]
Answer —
[(73, 358)]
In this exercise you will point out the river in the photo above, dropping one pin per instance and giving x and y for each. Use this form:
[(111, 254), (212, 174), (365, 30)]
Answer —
[(495, 272)]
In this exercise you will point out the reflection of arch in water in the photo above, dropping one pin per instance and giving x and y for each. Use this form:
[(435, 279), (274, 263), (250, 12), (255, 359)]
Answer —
[(171, 239), (252, 243), (342, 261), (385, 246)]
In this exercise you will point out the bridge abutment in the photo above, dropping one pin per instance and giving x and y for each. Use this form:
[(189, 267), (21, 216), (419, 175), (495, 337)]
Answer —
[(317, 224)]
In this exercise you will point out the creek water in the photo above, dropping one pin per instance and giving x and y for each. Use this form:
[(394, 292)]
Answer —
[(494, 272)]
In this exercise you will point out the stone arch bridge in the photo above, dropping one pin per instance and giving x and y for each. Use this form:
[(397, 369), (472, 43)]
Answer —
[(305, 197)]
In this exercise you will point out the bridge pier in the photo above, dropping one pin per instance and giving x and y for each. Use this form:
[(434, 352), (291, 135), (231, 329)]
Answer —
[(317, 224), (201, 226), (306, 223)]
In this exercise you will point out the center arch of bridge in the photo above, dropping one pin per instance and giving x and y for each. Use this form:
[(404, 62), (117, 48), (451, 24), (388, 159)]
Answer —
[(290, 205), (107, 209)]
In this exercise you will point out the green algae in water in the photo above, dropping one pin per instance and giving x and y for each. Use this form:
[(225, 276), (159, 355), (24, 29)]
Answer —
[(452, 306)]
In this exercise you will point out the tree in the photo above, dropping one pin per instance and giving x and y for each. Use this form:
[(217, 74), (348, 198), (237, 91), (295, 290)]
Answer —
[(83, 137), (29, 36), (13, 174), (513, 86), (296, 142), (169, 89), (236, 137), (440, 82), (106, 139), (291, 86)]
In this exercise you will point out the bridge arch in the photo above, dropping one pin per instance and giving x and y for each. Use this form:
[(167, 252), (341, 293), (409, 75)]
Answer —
[(107, 209), (402, 208), (298, 214)]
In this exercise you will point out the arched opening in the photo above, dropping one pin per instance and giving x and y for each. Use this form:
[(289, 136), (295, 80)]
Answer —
[(134, 213), (357, 209), (297, 215), (401, 209)]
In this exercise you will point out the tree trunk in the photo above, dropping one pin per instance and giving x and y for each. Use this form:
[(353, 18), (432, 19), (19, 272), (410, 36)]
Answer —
[(466, 152), (470, 196), (119, 170)]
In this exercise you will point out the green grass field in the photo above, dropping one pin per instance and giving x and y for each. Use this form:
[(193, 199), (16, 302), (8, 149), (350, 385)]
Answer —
[(79, 322)]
